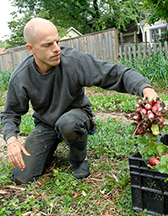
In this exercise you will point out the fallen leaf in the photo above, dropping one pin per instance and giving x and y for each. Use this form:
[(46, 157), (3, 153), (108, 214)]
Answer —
[(27, 213), (3, 192), (15, 188), (103, 191), (40, 195), (15, 205), (34, 212), (106, 215), (55, 171), (31, 213), (83, 193), (76, 195)]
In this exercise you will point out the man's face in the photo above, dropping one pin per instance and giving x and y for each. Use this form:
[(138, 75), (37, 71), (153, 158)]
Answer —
[(46, 49)]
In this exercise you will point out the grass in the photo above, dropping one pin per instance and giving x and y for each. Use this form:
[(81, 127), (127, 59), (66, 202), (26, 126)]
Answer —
[(107, 190)]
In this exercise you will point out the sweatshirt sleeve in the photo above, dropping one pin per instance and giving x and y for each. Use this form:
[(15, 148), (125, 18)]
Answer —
[(111, 76), (16, 105)]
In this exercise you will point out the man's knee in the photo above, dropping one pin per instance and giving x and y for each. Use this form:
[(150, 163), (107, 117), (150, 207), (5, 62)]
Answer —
[(71, 132), (72, 125), (22, 177)]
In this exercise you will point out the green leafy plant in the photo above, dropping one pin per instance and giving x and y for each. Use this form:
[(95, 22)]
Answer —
[(112, 102), (110, 142), (5, 170), (27, 124)]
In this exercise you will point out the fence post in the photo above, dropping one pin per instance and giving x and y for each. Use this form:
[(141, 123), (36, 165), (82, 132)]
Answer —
[(139, 52), (146, 42), (135, 37), (122, 44), (154, 36), (134, 51)]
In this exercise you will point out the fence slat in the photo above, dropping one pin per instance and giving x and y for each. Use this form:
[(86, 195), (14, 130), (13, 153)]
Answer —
[(129, 53)]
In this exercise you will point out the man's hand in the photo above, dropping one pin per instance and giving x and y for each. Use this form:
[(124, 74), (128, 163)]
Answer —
[(150, 93), (14, 153)]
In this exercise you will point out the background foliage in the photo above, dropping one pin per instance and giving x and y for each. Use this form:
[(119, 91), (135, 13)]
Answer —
[(85, 15), (157, 9)]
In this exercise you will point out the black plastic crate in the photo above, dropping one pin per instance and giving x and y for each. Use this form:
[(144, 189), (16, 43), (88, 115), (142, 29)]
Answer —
[(149, 188)]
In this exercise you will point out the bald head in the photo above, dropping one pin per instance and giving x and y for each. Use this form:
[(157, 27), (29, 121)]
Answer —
[(35, 27)]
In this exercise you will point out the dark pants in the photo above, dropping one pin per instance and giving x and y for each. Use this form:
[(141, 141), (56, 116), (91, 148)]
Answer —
[(72, 127)]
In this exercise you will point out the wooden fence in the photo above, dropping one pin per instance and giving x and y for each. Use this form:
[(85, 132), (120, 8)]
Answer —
[(140, 50), (13, 57), (103, 45)]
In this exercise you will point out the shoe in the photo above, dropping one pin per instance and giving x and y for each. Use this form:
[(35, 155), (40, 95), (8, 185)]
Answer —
[(81, 170)]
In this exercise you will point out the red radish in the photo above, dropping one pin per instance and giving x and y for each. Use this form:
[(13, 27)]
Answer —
[(153, 161), (130, 115), (143, 112), (151, 116), (155, 100), (156, 108), (137, 107), (136, 116), (158, 157), (148, 106), (145, 125), (160, 120), (145, 100), (140, 131), (140, 102), (165, 154)]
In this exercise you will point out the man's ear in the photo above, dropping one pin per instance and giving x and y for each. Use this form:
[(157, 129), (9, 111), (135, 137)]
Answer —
[(30, 48)]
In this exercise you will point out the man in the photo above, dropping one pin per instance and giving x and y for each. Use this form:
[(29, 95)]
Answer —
[(52, 79)]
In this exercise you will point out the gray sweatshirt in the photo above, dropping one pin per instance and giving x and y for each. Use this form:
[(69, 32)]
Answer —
[(62, 89)]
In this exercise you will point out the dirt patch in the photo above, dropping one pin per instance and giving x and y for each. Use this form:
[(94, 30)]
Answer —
[(116, 115)]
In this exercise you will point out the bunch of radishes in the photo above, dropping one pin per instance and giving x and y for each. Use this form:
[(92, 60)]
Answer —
[(149, 113)]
